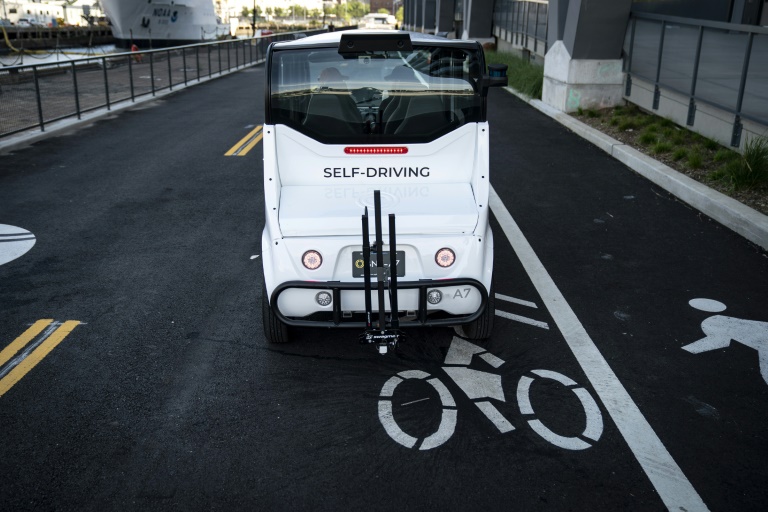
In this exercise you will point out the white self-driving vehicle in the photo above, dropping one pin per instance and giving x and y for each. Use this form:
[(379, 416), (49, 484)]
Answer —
[(364, 126)]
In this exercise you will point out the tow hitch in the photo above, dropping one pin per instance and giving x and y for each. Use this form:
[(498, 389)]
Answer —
[(386, 334)]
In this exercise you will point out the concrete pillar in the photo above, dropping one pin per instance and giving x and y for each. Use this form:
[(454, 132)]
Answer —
[(556, 15), (418, 14), (444, 10), (428, 16), (408, 14), (583, 66), (478, 19)]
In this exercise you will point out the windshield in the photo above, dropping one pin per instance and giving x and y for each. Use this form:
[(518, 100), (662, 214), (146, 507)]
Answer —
[(375, 97)]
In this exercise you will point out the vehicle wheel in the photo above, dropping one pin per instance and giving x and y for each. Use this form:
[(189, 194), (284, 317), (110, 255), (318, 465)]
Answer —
[(481, 328), (274, 330)]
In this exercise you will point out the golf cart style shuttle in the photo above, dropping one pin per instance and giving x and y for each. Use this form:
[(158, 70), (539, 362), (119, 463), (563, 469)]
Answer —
[(375, 159)]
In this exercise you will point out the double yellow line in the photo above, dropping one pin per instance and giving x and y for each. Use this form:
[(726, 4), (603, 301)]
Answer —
[(47, 333), (247, 143)]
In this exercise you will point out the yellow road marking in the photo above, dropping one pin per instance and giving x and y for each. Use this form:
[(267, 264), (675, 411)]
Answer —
[(37, 355), (21, 342), (251, 145), (246, 143)]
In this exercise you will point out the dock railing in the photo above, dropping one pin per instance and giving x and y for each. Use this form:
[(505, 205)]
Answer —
[(33, 96)]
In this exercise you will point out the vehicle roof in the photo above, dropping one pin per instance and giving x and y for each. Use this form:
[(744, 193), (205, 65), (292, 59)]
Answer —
[(333, 38)]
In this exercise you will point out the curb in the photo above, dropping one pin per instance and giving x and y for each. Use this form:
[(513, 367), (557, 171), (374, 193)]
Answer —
[(732, 214)]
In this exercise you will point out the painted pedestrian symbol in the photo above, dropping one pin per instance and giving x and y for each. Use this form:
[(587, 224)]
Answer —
[(483, 387), (720, 330)]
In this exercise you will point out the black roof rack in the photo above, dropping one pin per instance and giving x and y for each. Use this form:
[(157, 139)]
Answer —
[(352, 42)]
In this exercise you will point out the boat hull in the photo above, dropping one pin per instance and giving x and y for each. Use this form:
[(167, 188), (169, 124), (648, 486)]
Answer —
[(162, 23)]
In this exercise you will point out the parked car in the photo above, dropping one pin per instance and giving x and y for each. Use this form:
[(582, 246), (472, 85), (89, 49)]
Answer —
[(28, 22)]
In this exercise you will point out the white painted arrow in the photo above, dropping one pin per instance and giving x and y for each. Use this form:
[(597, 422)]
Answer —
[(461, 352)]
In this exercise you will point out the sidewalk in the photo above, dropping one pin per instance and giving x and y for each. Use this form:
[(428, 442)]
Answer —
[(745, 221)]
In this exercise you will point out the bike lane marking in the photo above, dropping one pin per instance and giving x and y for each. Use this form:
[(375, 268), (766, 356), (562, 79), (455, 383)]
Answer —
[(665, 475)]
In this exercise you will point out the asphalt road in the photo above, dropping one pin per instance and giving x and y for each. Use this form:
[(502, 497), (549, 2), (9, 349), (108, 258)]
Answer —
[(167, 397)]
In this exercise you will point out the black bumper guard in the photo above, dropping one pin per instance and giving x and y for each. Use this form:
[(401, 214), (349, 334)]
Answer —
[(421, 320)]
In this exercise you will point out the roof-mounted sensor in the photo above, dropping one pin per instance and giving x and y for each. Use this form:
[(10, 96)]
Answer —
[(357, 43)]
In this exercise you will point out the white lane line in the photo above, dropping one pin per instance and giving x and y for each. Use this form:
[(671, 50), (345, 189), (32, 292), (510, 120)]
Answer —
[(517, 301), (668, 479), (522, 319)]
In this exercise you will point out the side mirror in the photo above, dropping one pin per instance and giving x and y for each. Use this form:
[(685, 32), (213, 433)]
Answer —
[(496, 77), (497, 74)]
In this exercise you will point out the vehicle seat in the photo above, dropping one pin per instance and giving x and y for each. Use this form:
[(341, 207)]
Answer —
[(394, 113), (424, 114), (333, 112)]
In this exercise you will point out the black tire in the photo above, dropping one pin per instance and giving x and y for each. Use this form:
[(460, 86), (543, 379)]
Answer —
[(481, 328), (274, 330)]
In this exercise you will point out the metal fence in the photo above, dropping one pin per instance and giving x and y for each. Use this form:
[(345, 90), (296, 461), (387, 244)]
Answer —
[(720, 64), (522, 23), (35, 95)]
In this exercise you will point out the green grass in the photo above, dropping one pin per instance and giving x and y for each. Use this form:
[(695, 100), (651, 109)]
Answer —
[(724, 155), (679, 153), (662, 147), (627, 124), (750, 170), (711, 144), (695, 159), (647, 138), (525, 77), (651, 128)]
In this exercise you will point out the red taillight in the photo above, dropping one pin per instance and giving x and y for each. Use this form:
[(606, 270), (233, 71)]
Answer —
[(368, 150)]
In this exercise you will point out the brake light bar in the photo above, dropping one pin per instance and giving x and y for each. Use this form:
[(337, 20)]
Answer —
[(376, 150)]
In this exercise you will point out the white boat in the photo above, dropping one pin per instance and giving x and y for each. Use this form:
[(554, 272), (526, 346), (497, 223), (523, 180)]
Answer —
[(150, 23)]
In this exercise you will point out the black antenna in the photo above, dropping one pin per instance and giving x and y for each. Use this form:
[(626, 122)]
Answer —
[(380, 272), (395, 320), (386, 334), (367, 269)]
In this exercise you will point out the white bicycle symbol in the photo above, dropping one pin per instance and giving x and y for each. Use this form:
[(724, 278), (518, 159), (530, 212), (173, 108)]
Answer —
[(479, 387)]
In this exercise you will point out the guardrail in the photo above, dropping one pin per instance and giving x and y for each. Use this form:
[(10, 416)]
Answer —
[(524, 24), (720, 64), (33, 96)]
